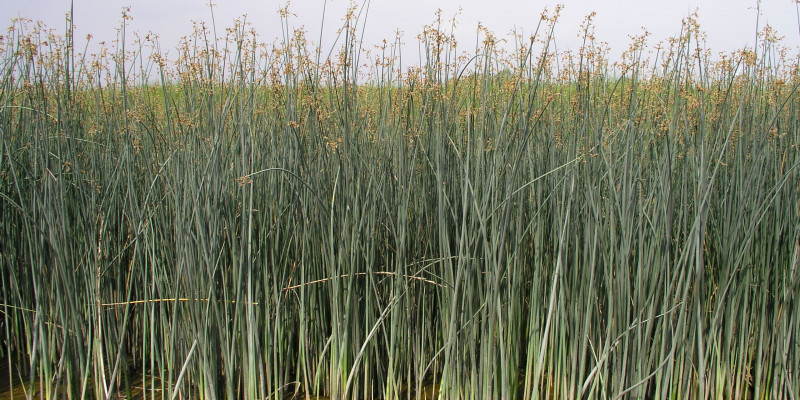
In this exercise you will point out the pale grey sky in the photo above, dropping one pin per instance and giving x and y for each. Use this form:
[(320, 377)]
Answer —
[(730, 24)]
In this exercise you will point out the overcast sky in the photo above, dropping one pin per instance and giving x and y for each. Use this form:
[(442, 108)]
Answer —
[(729, 24)]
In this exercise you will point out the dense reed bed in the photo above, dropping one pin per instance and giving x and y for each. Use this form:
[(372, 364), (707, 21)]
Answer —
[(253, 220)]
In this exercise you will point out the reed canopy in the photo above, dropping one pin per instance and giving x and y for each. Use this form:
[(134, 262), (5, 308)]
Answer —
[(250, 220)]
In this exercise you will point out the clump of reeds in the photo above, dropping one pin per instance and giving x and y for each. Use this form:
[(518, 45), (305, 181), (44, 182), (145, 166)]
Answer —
[(252, 220)]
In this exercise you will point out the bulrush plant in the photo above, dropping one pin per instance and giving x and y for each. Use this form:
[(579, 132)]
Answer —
[(277, 220)]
